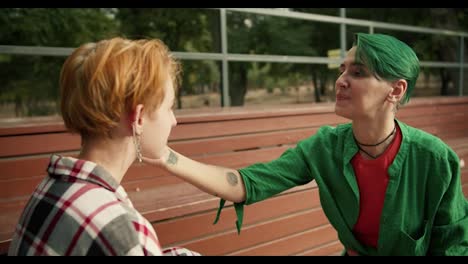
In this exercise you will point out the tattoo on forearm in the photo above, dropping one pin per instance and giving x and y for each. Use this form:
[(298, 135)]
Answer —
[(172, 158), (232, 178)]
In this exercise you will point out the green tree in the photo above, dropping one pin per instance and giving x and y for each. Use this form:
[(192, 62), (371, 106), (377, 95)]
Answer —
[(181, 29), (31, 82), (257, 34), (429, 47)]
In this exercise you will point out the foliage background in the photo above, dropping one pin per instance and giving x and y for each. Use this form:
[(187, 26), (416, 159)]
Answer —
[(30, 83)]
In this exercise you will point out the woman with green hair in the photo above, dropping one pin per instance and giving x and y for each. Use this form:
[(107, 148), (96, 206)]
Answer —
[(386, 187)]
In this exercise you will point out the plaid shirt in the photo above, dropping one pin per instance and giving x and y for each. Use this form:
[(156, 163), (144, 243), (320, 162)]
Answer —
[(80, 209)]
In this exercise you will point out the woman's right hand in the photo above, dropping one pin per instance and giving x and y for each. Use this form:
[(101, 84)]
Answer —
[(164, 160)]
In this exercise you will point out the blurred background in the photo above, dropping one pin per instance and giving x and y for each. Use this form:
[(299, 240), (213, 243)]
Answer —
[(230, 56)]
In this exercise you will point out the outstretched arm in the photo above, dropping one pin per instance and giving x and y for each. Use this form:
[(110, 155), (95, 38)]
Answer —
[(222, 182)]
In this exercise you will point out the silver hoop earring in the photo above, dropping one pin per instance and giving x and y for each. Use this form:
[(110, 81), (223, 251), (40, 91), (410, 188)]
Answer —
[(136, 142)]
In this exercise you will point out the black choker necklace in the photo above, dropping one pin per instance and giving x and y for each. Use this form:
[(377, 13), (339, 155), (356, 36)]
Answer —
[(373, 145)]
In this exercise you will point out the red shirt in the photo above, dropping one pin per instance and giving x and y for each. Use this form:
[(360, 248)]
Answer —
[(372, 180)]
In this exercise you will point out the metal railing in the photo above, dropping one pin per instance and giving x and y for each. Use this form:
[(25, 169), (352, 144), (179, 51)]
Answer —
[(225, 57)]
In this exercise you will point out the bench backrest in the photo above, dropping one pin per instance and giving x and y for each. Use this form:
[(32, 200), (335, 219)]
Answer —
[(291, 223)]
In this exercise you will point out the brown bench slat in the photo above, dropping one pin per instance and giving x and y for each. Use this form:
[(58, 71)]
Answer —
[(243, 142), (187, 201), (239, 127), (263, 232), (292, 244), (330, 249), (26, 186), (171, 232), (4, 247), (424, 121), (38, 144), (33, 125), (54, 124), (33, 167), (430, 110), (36, 166), (189, 198), (13, 169), (60, 142)]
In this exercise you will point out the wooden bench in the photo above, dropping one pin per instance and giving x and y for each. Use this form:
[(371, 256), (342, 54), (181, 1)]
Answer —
[(291, 223)]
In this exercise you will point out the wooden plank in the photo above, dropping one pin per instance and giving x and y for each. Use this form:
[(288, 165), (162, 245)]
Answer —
[(157, 204), (13, 169), (38, 144), (422, 121), (13, 146), (242, 142), (60, 142), (4, 247), (18, 188), (36, 125), (48, 143), (418, 106), (250, 112), (20, 182), (33, 125), (430, 110), (141, 172), (259, 233), (8, 221), (191, 227), (438, 100), (231, 160), (456, 129), (239, 127), (35, 167), (210, 203), (189, 200), (330, 249), (458, 142), (292, 244)]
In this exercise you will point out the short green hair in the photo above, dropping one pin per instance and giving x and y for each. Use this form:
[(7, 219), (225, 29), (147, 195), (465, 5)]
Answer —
[(388, 58)]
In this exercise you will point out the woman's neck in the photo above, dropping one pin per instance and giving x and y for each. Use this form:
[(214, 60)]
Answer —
[(373, 138), (114, 155)]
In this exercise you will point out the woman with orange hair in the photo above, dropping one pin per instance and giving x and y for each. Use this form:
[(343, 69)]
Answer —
[(117, 94)]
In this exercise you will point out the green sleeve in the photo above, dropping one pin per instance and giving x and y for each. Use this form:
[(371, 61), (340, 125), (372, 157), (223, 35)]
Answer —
[(264, 180), (450, 230)]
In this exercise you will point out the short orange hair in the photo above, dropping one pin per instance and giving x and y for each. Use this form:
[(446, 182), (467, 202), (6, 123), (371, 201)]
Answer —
[(100, 81)]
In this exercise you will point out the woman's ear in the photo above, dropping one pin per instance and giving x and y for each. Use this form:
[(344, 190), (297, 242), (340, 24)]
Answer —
[(137, 120), (398, 90)]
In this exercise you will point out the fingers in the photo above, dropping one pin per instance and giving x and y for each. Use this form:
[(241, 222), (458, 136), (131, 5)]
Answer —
[(152, 161)]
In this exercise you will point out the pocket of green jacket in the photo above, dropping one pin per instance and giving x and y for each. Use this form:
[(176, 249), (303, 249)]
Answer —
[(417, 242)]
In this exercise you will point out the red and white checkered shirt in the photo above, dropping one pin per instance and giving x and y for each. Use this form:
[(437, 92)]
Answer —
[(80, 209)]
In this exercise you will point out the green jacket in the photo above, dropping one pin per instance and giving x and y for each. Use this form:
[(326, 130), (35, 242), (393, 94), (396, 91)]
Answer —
[(424, 213)]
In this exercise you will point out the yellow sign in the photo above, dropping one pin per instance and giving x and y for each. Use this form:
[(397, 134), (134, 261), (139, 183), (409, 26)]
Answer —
[(334, 54)]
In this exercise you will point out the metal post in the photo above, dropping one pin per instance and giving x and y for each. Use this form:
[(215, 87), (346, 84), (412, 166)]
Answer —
[(462, 62), (224, 63), (343, 33)]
